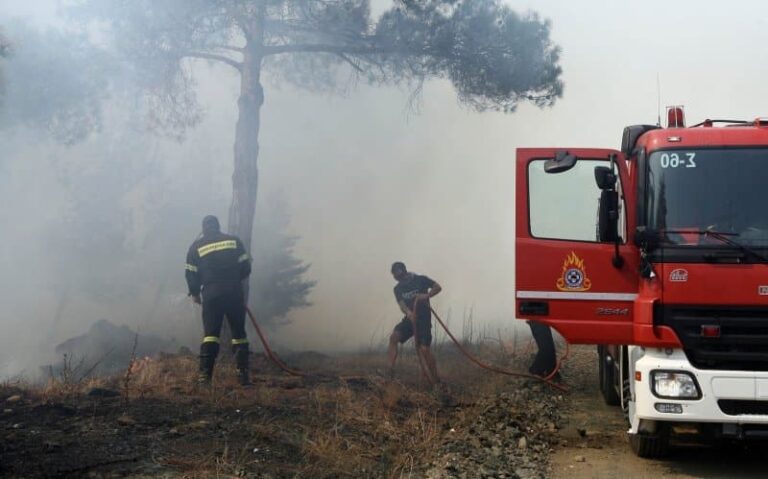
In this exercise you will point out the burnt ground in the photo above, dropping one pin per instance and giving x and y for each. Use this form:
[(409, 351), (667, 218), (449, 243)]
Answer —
[(153, 421), (68, 438), (158, 424)]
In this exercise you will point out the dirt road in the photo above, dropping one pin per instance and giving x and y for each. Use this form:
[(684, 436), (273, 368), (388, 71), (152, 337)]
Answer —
[(594, 445)]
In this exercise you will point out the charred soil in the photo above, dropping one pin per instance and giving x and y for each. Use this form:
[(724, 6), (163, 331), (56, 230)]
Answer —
[(344, 420), (153, 421)]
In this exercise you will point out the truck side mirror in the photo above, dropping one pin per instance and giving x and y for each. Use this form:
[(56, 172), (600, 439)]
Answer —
[(605, 177), (563, 161), (608, 217), (608, 207)]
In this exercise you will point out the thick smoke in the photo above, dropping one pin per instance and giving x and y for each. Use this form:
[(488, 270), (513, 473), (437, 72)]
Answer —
[(99, 229)]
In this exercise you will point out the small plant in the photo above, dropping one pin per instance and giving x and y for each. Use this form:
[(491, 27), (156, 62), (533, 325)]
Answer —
[(129, 370)]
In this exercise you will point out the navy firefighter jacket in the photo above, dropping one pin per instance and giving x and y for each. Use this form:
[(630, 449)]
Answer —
[(217, 264)]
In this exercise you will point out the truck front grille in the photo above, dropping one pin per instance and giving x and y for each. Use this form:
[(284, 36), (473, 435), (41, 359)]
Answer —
[(741, 345), (738, 407)]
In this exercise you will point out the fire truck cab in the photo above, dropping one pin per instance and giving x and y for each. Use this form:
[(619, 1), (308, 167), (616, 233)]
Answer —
[(658, 254)]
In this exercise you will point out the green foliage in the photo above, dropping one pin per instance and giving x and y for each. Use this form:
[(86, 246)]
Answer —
[(494, 57), (54, 81), (277, 281)]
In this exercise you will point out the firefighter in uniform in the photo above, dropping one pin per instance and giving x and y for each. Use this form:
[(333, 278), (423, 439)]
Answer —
[(217, 264)]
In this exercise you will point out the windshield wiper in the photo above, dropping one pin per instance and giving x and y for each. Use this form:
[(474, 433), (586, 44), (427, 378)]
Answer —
[(723, 237)]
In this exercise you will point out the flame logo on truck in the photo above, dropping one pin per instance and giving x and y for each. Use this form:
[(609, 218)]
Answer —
[(574, 275)]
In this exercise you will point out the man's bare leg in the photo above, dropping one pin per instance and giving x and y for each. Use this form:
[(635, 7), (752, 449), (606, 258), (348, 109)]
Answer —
[(423, 365), (431, 365), (394, 341)]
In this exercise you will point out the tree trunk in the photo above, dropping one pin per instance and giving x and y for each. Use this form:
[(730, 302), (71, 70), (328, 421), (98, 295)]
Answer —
[(245, 176)]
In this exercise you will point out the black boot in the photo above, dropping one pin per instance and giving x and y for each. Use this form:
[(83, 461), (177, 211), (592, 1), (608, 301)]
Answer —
[(244, 377), (208, 353), (241, 359), (206, 370)]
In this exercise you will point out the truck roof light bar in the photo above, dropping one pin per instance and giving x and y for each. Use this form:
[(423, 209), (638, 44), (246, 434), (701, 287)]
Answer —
[(675, 117)]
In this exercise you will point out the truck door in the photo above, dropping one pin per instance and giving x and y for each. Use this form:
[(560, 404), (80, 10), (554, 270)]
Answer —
[(565, 276)]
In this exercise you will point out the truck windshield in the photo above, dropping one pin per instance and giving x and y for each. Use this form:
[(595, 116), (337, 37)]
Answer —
[(720, 190)]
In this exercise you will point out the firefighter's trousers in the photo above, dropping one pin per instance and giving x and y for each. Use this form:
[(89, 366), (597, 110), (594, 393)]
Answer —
[(232, 306)]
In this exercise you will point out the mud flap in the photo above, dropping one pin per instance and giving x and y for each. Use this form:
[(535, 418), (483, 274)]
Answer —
[(634, 421), (631, 355)]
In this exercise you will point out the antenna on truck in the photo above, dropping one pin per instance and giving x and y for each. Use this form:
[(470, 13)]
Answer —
[(658, 100)]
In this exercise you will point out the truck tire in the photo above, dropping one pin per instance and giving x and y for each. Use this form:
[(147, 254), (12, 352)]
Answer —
[(607, 378), (650, 446)]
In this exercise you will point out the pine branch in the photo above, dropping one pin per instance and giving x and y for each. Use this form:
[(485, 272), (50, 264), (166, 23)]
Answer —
[(218, 58), (227, 47), (327, 48), (352, 63)]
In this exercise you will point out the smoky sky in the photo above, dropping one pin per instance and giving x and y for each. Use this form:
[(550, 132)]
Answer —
[(368, 179)]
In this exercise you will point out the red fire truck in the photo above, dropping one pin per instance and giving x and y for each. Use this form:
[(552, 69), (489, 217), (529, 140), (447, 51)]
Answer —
[(658, 254)]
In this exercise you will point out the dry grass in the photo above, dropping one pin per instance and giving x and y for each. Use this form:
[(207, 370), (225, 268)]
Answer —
[(389, 429), (165, 378), (357, 425), (71, 381), (376, 432)]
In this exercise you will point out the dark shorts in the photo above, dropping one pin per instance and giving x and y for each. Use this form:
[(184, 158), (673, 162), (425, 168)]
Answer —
[(423, 330)]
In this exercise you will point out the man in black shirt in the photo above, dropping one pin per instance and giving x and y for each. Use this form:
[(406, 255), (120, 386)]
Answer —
[(412, 294), (217, 264)]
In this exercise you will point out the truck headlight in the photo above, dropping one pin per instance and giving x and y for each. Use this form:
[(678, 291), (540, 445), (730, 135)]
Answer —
[(674, 384)]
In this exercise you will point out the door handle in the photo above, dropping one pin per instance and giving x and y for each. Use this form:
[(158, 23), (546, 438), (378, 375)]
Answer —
[(538, 308)]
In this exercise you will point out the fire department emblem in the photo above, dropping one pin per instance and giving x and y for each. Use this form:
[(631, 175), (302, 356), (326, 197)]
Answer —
[(574, 275), (678, 275)]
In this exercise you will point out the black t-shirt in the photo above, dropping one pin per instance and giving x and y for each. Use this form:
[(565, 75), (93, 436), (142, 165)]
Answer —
[(407, 289)]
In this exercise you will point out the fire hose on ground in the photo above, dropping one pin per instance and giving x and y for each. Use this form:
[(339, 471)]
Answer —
[(546, 379), (268, 350)]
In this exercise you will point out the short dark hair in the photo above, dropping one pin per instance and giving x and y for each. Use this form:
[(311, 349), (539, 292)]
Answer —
[(398, 266), (211, 224)]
